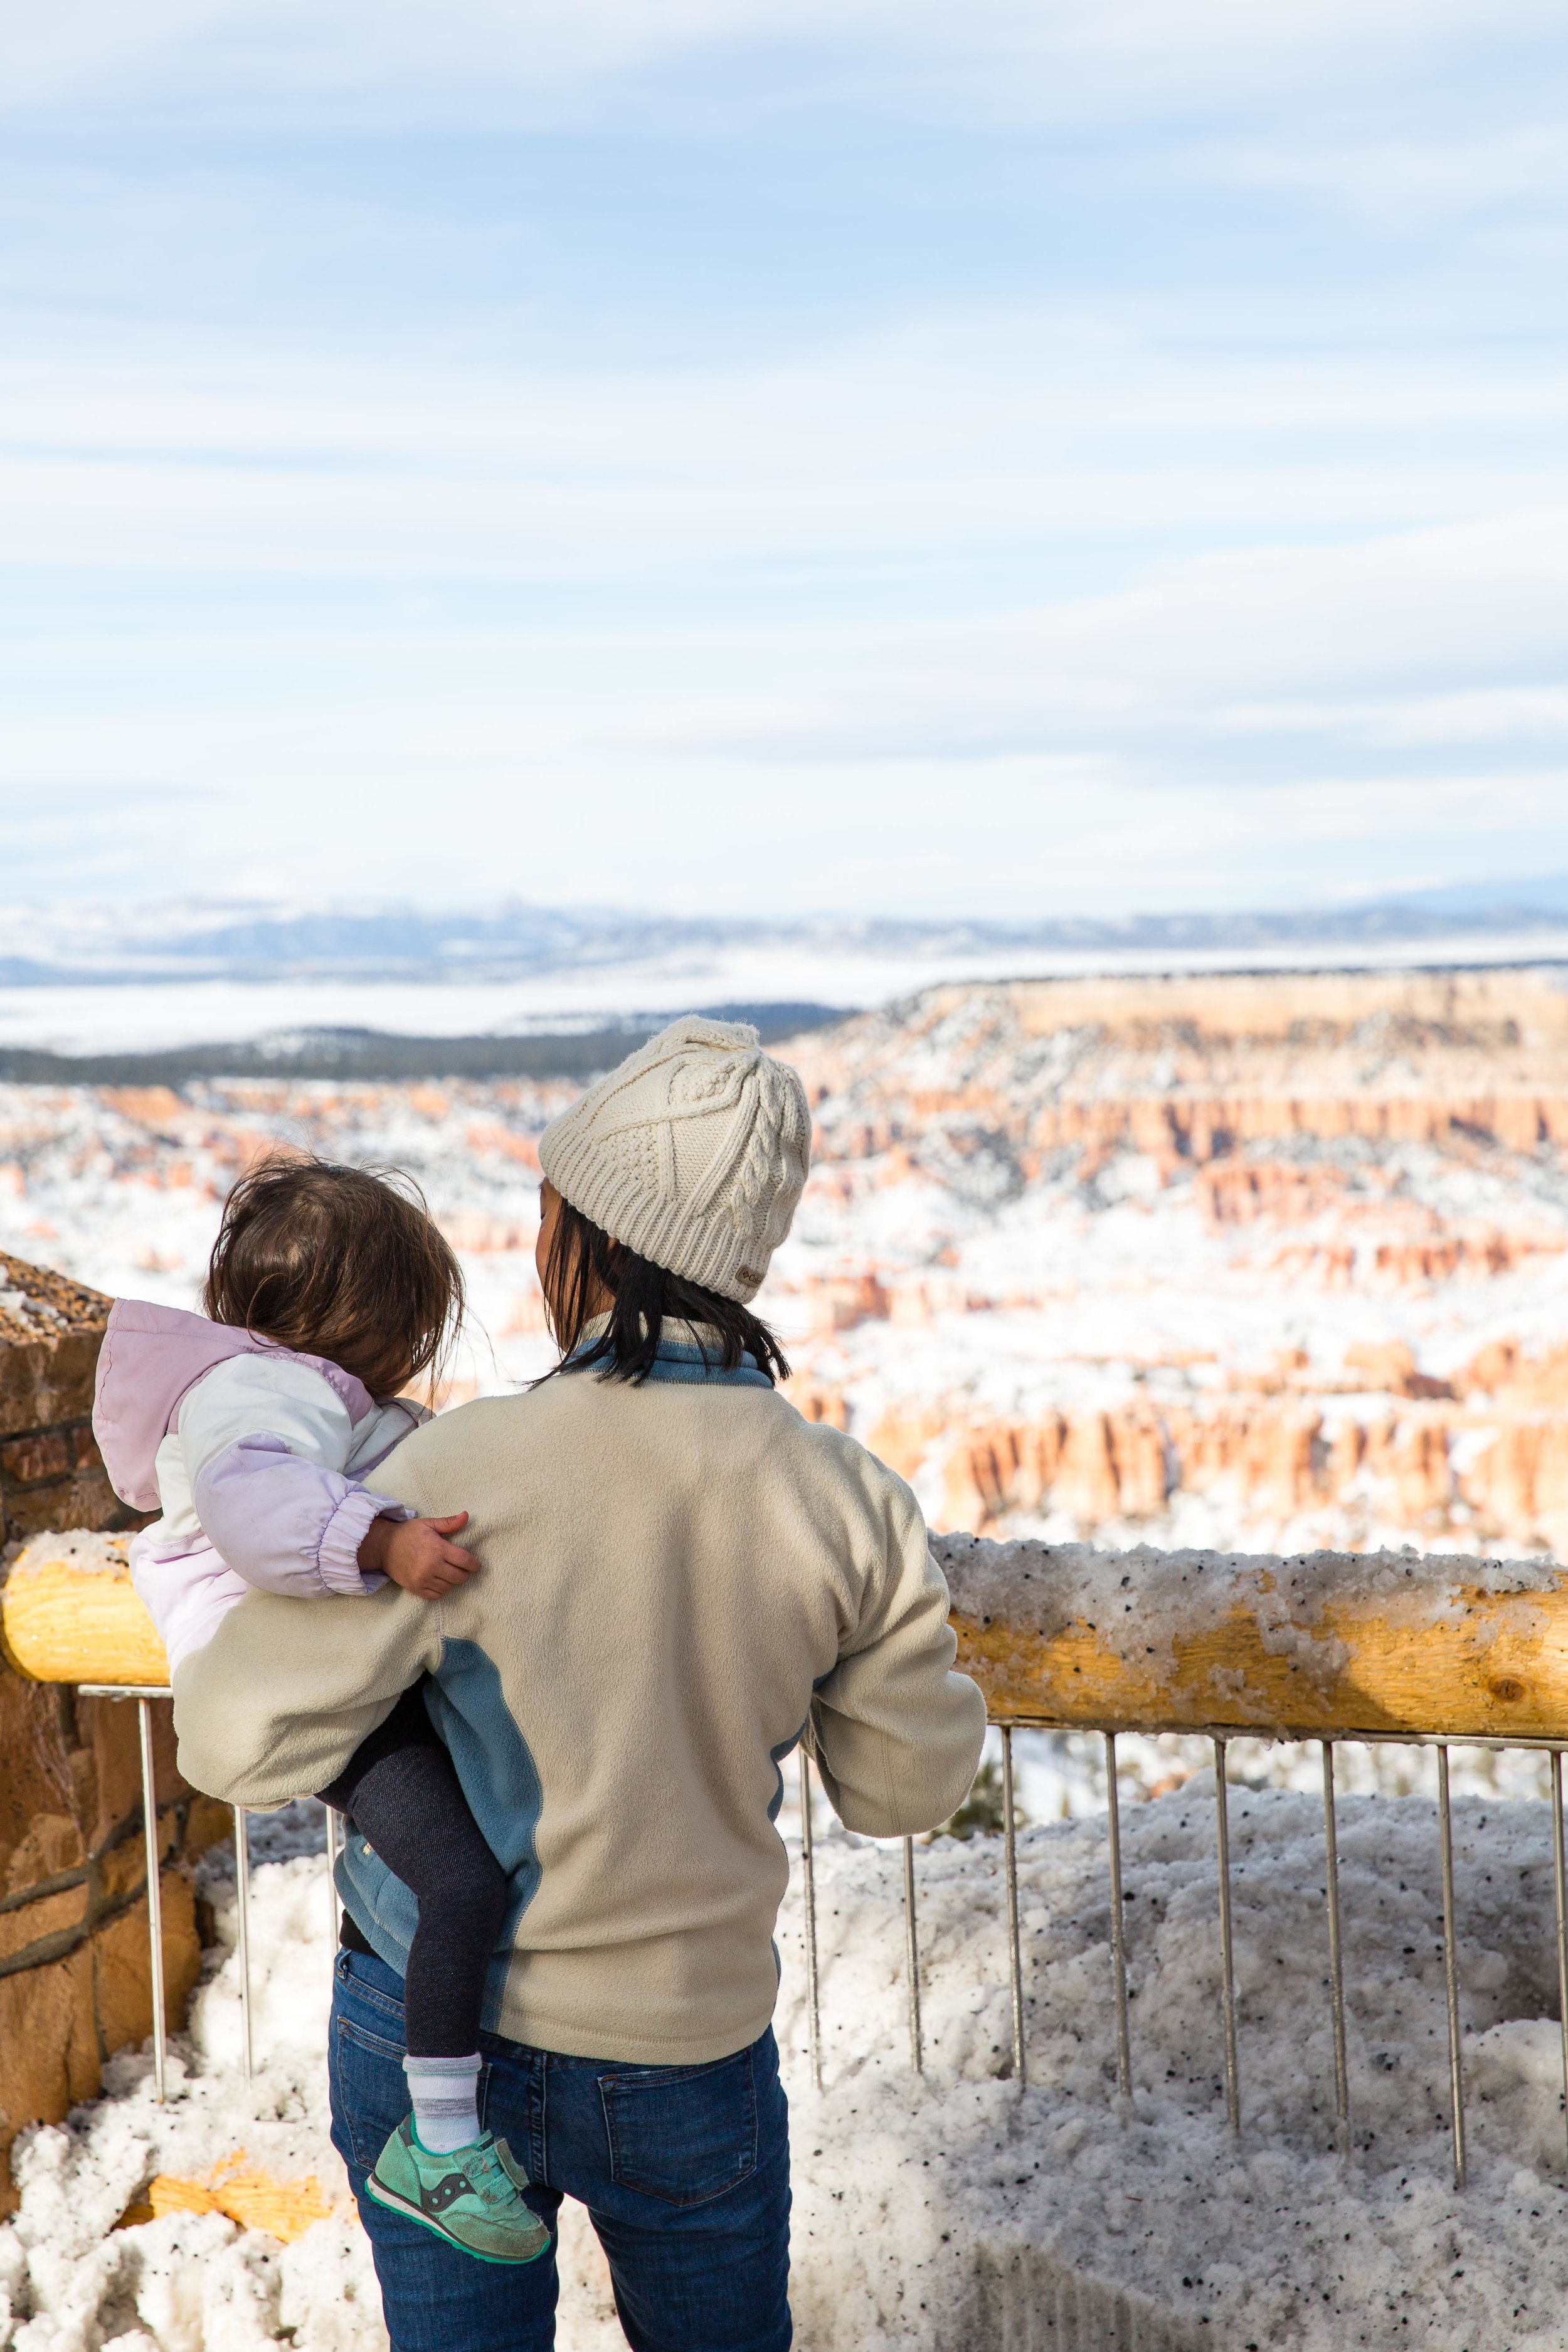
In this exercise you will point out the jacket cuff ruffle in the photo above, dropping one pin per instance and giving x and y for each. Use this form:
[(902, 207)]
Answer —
[(338, 1557)]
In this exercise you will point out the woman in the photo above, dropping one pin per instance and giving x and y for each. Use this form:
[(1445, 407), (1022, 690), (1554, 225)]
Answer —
[(682, 1577)]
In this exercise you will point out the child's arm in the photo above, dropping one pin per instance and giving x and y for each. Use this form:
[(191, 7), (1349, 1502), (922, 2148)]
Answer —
[(265, 1440)]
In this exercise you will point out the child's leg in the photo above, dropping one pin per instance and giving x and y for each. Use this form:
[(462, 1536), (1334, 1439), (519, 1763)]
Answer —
[(411, 1807), (402, 1794)]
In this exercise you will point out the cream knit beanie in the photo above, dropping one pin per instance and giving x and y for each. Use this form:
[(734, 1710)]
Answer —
[(693, 1153)]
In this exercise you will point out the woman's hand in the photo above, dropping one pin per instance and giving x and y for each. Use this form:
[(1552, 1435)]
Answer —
[(415, 1554)]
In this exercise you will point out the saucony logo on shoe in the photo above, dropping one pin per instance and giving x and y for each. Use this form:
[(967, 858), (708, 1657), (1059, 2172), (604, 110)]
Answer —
[(445, 2192)]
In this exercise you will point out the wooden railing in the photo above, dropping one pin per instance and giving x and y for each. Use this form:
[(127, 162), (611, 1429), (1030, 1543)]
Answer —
[(1326, 1645), (1329, 1649), (1277, 1657)]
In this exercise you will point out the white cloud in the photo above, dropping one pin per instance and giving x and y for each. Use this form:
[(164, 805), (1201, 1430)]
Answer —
[(1191, 737), (1402, 183), (1313, 620), (1047, 60), (1109, 585), (917, 444)]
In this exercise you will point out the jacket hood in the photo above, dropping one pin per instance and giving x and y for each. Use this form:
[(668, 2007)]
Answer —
[(151, 1359)]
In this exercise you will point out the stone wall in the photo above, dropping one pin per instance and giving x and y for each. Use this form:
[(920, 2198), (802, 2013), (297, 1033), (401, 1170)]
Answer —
[(75, 1975), (51, 1474)]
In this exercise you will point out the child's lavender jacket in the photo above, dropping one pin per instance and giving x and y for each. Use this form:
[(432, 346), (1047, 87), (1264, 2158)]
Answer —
[(255, 1457)]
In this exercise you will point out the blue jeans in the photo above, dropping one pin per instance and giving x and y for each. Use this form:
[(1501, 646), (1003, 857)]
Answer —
[(684, 2171)]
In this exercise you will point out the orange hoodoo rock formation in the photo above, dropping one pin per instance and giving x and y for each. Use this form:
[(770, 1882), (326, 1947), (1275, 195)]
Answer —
[(1199, 1069), (1283, 1111), (1128, 1465)]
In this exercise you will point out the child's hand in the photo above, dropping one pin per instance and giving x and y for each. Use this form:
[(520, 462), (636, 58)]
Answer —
[(415, 1554)]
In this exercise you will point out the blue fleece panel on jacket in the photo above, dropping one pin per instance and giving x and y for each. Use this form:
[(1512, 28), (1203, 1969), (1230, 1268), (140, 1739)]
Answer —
[(500, 1779)]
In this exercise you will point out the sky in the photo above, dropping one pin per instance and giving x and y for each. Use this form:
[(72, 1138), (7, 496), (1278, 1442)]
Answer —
[(725, 455)]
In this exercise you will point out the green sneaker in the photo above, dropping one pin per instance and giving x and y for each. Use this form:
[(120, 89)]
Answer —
[(472, 2198)]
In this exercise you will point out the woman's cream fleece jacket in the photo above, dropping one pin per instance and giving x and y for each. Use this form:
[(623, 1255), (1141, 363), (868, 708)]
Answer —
[(680, 1582)]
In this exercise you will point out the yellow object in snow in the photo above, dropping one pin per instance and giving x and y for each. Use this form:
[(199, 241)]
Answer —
[(284, 2209)]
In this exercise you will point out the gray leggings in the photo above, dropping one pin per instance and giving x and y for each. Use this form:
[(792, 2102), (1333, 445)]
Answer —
[(403, 1796)]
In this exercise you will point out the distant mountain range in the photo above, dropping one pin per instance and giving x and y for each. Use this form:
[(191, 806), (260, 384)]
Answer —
[(250, 942), (374, 1055)]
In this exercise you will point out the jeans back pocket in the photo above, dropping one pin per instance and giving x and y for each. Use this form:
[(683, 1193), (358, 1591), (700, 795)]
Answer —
[(682, 2134)]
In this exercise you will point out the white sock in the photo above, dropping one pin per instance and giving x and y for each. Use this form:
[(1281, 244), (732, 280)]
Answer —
[(445, 2092)]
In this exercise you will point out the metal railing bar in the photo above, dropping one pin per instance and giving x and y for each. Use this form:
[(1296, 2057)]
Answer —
[(1451, 1964), (335, 1848), (808, 1893), (1221, 1738), (912, 1953), (154, 1897), (1222, 1829), (1015, 1954), (1274, 1736), (1118, 1936), (1336, 1951), (242, 1924), (1559, 1887)]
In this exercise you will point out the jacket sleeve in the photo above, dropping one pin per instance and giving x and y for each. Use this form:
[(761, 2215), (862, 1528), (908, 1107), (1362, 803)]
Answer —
[(265, 1441), (277, 1702), (894, 1732)]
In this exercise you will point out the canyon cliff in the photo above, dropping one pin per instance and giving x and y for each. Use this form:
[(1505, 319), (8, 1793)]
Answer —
[(1276, 1258)]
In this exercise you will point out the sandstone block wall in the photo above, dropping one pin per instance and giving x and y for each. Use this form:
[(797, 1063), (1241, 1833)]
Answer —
[(51, 1474), (75, 1975)]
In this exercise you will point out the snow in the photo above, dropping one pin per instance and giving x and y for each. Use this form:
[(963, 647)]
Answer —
[(1052, 1303), (907, 2188), (1043, 1588), (90, 1554), (199, 2282), (1058, 1291), (1268, 2238), (122, 1014), (1003, 1288)]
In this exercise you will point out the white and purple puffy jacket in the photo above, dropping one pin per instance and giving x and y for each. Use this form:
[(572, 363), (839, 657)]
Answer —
[(254, 1454)]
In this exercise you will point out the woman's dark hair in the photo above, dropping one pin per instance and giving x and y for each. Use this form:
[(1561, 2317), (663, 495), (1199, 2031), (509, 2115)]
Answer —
[(345, 1262), (583, 1260)]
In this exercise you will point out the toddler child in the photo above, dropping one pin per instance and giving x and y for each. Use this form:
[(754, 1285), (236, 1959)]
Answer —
[(252, 1429)]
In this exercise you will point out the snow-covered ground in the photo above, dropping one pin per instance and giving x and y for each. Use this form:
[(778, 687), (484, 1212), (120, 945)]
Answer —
[(906, 2187), (948, 1303), (948, 1290), (122, 1014)]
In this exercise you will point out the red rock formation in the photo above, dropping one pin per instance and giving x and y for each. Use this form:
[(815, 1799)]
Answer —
[(1502, 1371), (1275, 1458), (845, 1300), (482, 1235), (819, 1402), (1195, 1073)]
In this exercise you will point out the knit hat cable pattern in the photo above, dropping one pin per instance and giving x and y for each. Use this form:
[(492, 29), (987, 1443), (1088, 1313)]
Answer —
[(693, 1153)]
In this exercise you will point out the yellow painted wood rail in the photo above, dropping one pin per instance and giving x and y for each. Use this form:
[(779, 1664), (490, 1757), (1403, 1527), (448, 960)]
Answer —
[(1447, 1657), (69, 1614)]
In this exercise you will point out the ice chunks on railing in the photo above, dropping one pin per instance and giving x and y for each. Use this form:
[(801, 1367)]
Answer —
[(1314, 1644)]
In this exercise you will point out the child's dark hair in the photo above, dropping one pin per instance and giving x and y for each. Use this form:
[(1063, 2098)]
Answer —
[(345, 1262), (582, 1259)]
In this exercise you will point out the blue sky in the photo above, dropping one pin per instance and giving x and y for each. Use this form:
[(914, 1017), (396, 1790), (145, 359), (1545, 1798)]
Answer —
[(721, 455)]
